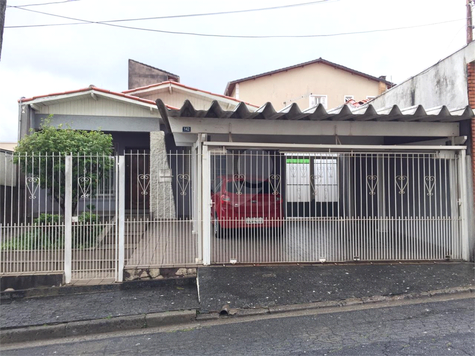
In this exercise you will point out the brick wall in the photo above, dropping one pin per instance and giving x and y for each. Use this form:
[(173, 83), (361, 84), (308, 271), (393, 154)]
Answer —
[(471, 102)]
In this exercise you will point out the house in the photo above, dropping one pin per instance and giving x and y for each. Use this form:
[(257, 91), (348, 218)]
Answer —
[(129, 116), (129, 119), (308, 84), (302, 184)]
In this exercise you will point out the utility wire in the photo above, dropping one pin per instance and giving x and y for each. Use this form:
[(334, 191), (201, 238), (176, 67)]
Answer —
[(243, 36), (284, 36), (43, 3), (84, 22)]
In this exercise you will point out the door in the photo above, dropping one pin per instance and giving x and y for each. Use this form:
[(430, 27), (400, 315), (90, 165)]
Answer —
[(137, 180)]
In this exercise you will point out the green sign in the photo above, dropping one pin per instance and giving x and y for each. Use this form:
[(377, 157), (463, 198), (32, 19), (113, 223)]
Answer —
[(298, 160)]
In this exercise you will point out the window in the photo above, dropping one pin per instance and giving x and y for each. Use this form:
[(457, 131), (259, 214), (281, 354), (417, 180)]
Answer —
[(314, 100), (326, 179), (347, 98), (312, 177)]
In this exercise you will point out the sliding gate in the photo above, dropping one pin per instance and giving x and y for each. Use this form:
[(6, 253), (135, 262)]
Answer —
[(277, 205)]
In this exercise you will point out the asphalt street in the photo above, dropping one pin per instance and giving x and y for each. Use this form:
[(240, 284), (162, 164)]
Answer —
[(423, 328)]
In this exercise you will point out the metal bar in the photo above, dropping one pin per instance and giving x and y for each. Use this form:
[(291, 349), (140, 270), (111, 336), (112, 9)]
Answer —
[(463, 206), (206, 184), (68, 219), (335, 148), (121, 219), (198, 195)]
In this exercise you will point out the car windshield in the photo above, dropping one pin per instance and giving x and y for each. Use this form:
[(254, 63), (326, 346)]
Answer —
[(245, 187)]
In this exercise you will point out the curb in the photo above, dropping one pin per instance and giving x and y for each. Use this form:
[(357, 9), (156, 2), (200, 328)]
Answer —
[(333, 303), (153, 320), (370, 300), (98, 326), (6, 296)]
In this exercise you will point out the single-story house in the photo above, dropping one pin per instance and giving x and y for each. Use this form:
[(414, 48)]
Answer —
[(214, 180)]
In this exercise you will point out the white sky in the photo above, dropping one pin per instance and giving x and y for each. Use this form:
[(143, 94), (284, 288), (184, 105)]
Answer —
[(43, 60)]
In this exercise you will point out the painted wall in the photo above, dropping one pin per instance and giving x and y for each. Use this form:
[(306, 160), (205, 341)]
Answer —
[(445, 83), (296, 85), (103, 123), (86, 105), (85, 113), (7, 169)]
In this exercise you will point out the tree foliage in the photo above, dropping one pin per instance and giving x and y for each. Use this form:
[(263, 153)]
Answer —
[(40, 156)]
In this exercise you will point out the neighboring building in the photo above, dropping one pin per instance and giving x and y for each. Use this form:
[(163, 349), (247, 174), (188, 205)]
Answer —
[(7, 146), (449, 82), (8, 186), (308, 84), (142, 74)]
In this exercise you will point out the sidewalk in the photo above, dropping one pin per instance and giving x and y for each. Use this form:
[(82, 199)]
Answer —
[(239, 287), (257, 287)]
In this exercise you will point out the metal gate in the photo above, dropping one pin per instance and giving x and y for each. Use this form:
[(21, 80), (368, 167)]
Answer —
[(58, 215), (277, 205), (161, 221)]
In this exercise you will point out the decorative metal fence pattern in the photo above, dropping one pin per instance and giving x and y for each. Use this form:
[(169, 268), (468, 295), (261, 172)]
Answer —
[(274, 207), (160, 217), (32, 230), (36, 233), (92, 217)]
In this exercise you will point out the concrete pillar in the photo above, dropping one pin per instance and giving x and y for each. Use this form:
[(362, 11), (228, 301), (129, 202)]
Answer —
[(162, 203)]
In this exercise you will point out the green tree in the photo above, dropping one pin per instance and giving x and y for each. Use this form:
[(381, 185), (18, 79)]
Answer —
[(41, 155)]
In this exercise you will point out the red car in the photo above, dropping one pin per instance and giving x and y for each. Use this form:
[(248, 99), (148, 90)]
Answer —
[(243, 202)]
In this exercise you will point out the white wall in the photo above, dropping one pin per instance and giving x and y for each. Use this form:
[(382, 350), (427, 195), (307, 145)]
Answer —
[(7, 173), (445, 83)]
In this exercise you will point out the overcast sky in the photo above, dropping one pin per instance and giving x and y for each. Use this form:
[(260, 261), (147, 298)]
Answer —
[(43, 60)]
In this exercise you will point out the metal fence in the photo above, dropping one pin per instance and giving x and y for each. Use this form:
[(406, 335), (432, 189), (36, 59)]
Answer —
[(92, 217), (160, 221), (277, 206), (59, 214)]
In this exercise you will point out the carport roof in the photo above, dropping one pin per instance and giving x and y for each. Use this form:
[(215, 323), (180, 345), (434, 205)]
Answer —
[(318, 113)]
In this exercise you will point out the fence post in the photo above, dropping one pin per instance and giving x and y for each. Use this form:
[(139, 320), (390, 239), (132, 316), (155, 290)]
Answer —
[(121, 227), (463, 206), (68, 218), (206, 201), (198, 193)]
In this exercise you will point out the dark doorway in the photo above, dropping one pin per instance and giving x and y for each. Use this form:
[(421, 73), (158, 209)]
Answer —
[(137, 180)]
